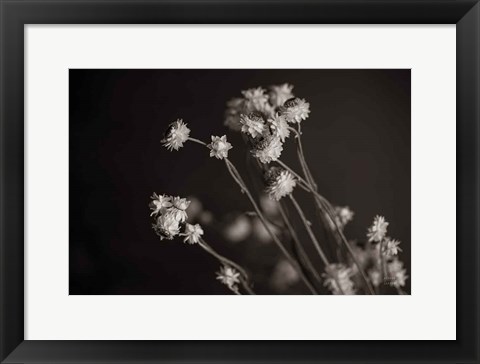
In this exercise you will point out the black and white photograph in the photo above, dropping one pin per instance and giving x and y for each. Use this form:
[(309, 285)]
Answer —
[(240, 182)]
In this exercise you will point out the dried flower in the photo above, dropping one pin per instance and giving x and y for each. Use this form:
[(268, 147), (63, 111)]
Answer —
[(295, 110), (391, 247), (279, 126), (343, 215), (280, 93), (235, 107), (375, 276), (166, 226), (176, 135), (229, 277), (280, 183), (337, 279), (219, 147), (397, 275), (268, 149), (179, 207), (255, 99), (252, 124), (160, 204), (377, 231), (192, 233)]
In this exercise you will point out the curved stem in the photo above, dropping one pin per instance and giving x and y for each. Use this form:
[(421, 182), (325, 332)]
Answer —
[(308, 174), (227, 261), (197, 141), (314, 239), (309, 177), (309, 230), (298, 245), (383, 267), (329, 210), (236, 176), (324, 206)]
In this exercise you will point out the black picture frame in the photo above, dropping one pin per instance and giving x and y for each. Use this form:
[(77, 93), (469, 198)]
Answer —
[(16, 13)]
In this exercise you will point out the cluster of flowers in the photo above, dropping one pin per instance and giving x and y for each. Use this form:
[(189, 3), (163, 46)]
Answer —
[(169, 214), (379, 257), (385, 250), (265, 117), (266, 120), (178, 134)]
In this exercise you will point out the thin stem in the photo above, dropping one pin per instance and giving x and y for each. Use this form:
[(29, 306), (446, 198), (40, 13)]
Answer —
[(298, 244), (197, 141), (308, 175), (236, 176), (311, 182), (383, 267), (228, 262), (314, 239), (309, 230), (323, 204), (328, 208)]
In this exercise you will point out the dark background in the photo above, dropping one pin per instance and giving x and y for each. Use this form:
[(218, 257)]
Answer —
[(357, 142)]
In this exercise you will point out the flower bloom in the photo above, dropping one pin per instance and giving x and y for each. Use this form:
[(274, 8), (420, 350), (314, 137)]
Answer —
[(391, 247), (280, 183), (192, 233), (235, 108), (378, 230), (166, 226), (179, 207), (337, 279), (397, 275), (229, 277), (176, 135), (343, 215), (268, 149), (252, 124), (170, 212), (255, 99), (279, 94), (279, 126), (295, 110), (160, 204), (219, 147)]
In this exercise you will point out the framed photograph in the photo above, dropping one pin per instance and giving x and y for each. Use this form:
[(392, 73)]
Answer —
[(239, 181)]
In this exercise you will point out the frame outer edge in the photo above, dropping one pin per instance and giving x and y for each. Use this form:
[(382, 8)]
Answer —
[(12, 199), (468, 188), (11, 180)]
